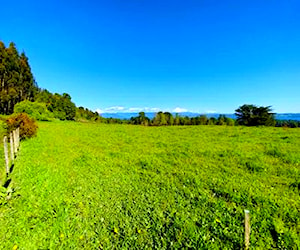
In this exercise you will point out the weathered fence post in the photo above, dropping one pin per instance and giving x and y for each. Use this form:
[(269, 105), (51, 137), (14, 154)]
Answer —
[(6, 154), (15, 141), (247, 229), (18, 138), (12, 148)]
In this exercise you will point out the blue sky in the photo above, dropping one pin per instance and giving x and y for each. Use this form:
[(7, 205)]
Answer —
[(200, 56)]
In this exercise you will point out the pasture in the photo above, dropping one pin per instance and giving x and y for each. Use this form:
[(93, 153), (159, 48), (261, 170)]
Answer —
[(91, 186)]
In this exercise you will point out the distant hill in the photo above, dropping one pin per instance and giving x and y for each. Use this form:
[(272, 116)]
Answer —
[(288, 116), (282, 116), (150, 115)]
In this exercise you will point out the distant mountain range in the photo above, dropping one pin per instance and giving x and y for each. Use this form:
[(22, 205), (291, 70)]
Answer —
[(281, 116)]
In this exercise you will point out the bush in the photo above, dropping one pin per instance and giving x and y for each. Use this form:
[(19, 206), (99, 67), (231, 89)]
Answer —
[(27, 125), (36, 110)]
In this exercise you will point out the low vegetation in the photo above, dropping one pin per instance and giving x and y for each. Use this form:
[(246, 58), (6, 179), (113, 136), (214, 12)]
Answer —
[(88, 185), (27, 125)]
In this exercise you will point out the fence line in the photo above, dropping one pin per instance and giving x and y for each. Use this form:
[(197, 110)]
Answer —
[(6, 154), (14, 141), (12, 148)]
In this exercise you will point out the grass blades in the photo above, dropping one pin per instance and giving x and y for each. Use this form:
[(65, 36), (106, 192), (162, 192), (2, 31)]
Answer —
[(89, 186)]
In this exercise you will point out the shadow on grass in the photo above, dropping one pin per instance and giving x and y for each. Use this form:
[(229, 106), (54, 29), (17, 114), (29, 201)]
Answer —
[(6, 184), (11, 168)]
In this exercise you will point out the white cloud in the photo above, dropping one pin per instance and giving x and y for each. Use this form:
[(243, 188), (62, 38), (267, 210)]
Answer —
[(179, 110), (135, 109), (154, 109), (121, 109), (100, 111), (115, 109), (211, 111), (145, 109)]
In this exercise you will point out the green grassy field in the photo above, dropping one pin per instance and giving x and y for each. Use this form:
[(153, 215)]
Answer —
[(97, 186)]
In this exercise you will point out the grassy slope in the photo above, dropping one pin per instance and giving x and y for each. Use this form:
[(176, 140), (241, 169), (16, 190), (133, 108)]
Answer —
[(116, 186)]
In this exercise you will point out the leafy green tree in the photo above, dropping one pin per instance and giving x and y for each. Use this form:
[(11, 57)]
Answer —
[(229, 121), (160, 119), (36, 110), (203, 120), (251, 115), (169, 118), (221, 120), (212, 121), (177, 119), (60, 105), (84, 114), (143, 119)]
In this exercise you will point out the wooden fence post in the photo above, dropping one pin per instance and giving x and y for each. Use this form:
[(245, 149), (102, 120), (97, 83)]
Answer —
[(12, 148), (18, 138), (15, 141), (6, 154), (247, 229)]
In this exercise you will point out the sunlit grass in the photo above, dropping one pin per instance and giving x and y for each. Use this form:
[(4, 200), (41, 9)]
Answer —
[(118, 186)]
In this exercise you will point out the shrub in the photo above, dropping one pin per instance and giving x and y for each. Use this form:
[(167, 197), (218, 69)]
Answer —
[(36, 110), (27, 125)]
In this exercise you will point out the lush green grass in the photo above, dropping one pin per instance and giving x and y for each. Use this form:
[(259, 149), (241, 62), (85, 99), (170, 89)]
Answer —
[(2, 159), (118, 186)]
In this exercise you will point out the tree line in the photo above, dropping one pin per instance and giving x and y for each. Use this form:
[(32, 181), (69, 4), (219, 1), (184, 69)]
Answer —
[(168, 119), (16, 80), (246, 115), (17, 85), (19, 92)]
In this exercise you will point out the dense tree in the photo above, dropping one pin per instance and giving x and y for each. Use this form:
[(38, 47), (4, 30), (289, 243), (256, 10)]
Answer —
[(169, 118), (141, 119), (16, 80), (203, 120), (221, 120), (177, 119), (212, 121), (251, 115), (84, 114), (61, 106), (160, 119)]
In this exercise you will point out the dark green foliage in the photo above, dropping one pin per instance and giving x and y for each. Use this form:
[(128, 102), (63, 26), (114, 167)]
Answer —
[(114, 121), (28, 126), (141, 119), (159, 119), (84, 114), (203, 120), (60, 105), (36, 110), (251, 115), (287, 123), (167, 119), (63, 108), (17, 82)]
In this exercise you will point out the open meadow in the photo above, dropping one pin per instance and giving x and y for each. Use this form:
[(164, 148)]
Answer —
[(91, 186)]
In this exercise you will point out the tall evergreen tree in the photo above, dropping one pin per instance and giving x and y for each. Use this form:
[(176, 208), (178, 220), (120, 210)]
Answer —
[(17, 82)]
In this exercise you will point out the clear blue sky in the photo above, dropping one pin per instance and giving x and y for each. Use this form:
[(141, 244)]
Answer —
[(200, 55)]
